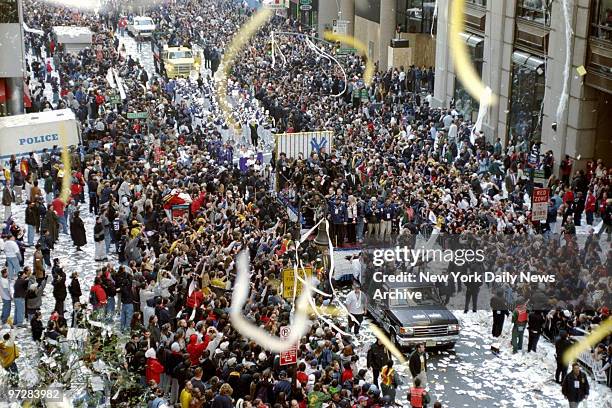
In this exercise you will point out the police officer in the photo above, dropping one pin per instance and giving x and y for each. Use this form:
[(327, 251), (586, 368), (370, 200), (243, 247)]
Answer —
[(561, 346), (338, 216), (499, 308)]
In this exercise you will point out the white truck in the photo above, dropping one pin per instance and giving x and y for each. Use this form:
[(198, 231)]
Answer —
[(143, 26), (73, 38), (33, 132)]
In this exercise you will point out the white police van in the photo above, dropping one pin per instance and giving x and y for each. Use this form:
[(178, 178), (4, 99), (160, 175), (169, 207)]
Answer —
[(22, 134)]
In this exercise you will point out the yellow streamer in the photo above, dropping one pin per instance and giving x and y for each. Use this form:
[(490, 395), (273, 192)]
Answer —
[(240, 40), (463, 66), (604, 330), (380, 335), (359, 46), (67, 179)]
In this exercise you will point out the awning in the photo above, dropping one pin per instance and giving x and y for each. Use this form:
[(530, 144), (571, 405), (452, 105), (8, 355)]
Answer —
[(472, 40), (527, 60)]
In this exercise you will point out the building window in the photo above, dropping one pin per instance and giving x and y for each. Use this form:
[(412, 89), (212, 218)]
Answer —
[(534, 10), (415, 16), (526, 101), (482, 3), (9, 12), (601, 19), (464, 103)]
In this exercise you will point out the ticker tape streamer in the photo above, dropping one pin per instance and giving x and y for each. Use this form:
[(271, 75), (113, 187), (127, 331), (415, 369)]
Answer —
[(67, 178), (463, 67), (240, 40), (601, 332), (275, 344)]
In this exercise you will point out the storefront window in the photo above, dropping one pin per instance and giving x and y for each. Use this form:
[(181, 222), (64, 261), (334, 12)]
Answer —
[(464, 103), (9, 12), (601, 19), (415, 16), (534, 10), (528, 86)]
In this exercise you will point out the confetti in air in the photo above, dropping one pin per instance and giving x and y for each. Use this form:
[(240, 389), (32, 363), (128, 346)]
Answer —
[(565, 6), (251, 331), (240, 40), (323, 54), (485, 101), (601, 332), (434, 17), (67, 179), (463, 67), (386, 341)]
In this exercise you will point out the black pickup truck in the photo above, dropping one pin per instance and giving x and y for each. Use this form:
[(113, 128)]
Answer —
[(410, 321)]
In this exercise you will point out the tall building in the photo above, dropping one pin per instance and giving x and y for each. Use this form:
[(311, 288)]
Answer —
[(12, 67), (519, 49), (395, 32)]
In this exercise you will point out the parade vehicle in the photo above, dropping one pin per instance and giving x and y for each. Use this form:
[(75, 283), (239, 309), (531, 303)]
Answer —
[(73, 39), (22, 134), (411, 314), (180, 61), (141, 26)]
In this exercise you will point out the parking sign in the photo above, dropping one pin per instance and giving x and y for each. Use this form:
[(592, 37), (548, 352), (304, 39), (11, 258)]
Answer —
[(290, 356)]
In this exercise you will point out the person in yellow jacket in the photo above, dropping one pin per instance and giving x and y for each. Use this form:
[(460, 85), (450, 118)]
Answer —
[(9, 352), (185, 397), (389, 381)]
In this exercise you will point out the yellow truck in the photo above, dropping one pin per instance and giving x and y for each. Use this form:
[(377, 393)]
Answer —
[(180, 61)]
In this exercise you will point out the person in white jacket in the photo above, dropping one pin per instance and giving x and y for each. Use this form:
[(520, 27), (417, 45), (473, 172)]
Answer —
[(13, 257), (6, 293), (357, 304)]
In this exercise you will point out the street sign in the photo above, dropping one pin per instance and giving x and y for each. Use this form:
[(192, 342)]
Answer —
[(539, 177), (305, 7), (290, 356), (114, 99), (539, 206), (305, 1), (138, 115), (344, 51), (288, 275), (340, 26), (364, 95)]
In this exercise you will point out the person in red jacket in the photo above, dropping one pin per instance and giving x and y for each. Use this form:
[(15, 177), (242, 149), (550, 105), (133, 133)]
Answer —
[(347, 373), (590, 207), (195, 299), (195, 349), (154, 368), (99, 293)]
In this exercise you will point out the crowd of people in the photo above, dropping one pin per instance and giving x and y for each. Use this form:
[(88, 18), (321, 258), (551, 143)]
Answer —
[(173, 209)]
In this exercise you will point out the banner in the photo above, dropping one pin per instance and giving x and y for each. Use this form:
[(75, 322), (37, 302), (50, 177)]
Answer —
[(276, 4), (292, 144)]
